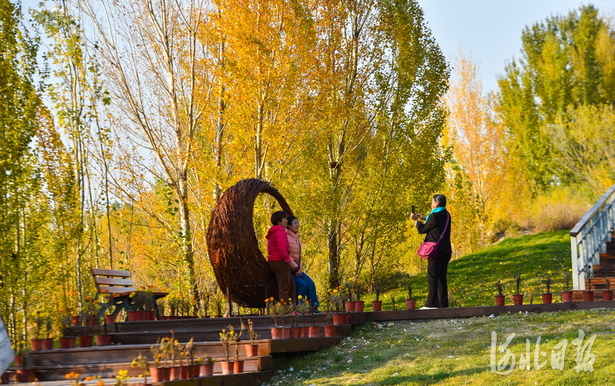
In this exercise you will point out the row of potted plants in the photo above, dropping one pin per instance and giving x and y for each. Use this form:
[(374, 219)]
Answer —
[(547, 295)]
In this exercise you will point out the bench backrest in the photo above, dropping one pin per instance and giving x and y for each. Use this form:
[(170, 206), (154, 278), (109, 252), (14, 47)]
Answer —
[(113, 281)]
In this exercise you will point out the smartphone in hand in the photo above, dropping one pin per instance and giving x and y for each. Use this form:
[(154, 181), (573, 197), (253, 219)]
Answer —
[(412, 209)]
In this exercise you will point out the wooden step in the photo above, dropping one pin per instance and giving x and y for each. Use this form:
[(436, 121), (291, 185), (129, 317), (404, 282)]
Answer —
[(599, 283), (604, 270), (58, 372), (125, 353), (607, 258), (202, 324)]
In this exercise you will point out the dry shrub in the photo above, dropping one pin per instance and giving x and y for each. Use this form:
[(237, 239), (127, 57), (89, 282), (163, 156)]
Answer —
[(560, 209)]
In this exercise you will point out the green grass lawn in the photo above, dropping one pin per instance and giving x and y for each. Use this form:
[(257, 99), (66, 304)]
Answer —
[(460, 351), (471, 279)]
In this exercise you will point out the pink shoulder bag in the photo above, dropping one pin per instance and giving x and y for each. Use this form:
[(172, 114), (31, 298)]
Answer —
[(429, 250)]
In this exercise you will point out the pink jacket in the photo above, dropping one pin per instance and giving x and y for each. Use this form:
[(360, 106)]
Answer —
[(277, 244), (294, 245)]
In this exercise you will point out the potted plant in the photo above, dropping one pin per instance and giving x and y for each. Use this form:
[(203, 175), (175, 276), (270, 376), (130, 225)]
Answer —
[(304, 308), (37, 332), (377, 304), (278, 310), (20, 350), (252, 348), (499, 297), (174, 351), (517, 296), (103, 339), (336, 301), (329, 328), (410, 302), (140, 362), (547, 296), (159, 372), (206, 366), (349, 304), (67, 341), (226, 338), (238, 364), (608, 293), (190, 369), (359, 305), (567, 294), (588, 294)]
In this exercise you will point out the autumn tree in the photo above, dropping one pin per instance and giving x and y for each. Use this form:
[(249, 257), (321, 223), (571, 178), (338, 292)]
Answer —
[(565, 64), (149, 52), (476, 141)]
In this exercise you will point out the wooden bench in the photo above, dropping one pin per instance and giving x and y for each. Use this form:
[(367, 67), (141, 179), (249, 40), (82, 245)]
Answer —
[(119, 285)]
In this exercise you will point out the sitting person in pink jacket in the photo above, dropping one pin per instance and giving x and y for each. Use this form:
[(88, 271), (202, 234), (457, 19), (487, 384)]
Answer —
[(279, 259), (305, 286)]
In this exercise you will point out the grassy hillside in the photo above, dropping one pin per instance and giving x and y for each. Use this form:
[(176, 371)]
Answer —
[(460, 351), (472, 278)]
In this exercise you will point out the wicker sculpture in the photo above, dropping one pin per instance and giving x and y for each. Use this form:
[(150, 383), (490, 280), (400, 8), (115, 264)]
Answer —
[(238, 263)]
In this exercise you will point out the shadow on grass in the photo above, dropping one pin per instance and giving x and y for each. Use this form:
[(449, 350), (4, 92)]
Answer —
[(428, 379)]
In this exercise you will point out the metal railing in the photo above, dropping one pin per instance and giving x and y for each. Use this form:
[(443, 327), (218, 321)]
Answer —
[(588, 238)]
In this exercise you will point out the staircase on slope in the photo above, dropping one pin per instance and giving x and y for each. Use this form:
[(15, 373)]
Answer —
[(602, 271)]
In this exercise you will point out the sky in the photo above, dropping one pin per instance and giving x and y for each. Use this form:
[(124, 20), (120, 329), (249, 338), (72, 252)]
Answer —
[(490, 30)]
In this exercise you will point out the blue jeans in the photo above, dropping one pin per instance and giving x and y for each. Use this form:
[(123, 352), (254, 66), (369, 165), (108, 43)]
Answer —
[(307, 289)]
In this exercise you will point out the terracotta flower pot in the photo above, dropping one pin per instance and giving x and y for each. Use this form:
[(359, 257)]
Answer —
[(349, 306), (338, 319), (18, 360), (238, 367), (184, 372), (517, 300), (251, 350), (174, 373), (329, 331), (23, 375), (359, 305), (134, 316), (109, 319), (500, 300), (277, 333), (37, 344), (588, 296), (85, 341), (410, 304), (295, 332), (314, 332), (206, 370), (159, 374), (607, 295), (547, 298), (227, 368), (103, 340), (67, 342), (567, 296), (48, 344), (194, 371), (286, 333), (376, 305), (75, 320), (5, 378)]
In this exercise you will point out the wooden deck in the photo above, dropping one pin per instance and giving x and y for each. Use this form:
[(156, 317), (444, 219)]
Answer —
[(132, 338)]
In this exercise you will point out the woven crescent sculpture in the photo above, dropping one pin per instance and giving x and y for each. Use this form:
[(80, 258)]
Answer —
[(237, 261)]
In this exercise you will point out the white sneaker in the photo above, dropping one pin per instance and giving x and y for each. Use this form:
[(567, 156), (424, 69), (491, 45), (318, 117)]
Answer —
[(429, 308)]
